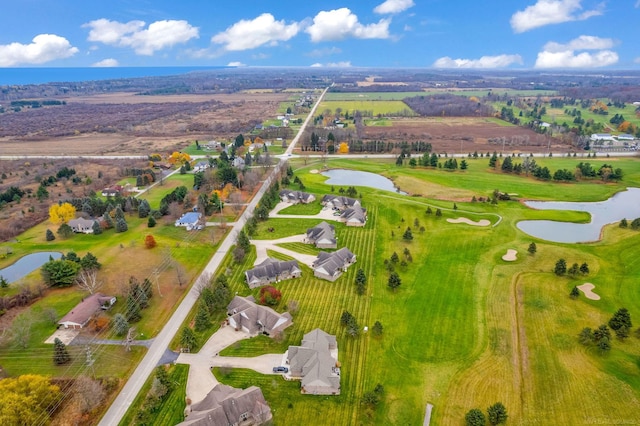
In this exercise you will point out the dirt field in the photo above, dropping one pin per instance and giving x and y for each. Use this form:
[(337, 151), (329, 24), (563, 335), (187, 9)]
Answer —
[(463, 135), (220, 117)]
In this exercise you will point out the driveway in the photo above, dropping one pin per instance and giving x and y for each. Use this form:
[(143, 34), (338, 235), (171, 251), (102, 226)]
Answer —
[(325, 214), (263, 245)]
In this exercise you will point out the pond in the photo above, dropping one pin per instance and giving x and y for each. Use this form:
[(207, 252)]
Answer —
[(622, 205), (27, 264), (357, 178)]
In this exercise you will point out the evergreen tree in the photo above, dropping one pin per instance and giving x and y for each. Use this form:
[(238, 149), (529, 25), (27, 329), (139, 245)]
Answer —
[(497, 413), (202, 321), (3, 282), (586, 336), (121, 225), (60, 353), (120, 324), (377, 329), (532, 248), (584, 269), (243, 241), (151, 222), (463, 165), (49, 235), (407, 236), (144, 209), (575, 293), (624, 223), (428, 211), (493, 160), (188, 339), (573, 270), (132, 310), (561, 267), (438, 212), (394, 281), (475, 417), (621, 323), (97, 229)]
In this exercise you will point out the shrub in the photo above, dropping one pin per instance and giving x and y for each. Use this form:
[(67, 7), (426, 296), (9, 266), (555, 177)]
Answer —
[(150, 242), (270, 295)]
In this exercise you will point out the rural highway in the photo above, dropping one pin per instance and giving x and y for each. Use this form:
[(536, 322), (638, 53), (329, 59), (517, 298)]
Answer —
[(123, 401)]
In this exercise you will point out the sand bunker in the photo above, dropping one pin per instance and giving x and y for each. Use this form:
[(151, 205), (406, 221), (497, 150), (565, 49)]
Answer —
[(483, 222), (587, 289), (510, 256), (314, 171)]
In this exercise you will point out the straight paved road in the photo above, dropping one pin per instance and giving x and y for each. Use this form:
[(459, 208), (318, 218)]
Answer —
[(123, 401)]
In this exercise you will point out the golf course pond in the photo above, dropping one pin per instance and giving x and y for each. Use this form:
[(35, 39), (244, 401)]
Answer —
[(625, 204), (27, 264), (357, 178)]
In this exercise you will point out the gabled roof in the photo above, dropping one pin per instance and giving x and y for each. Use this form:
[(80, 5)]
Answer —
[(246, 313), (83, 311), (339, 201), (190, 217), (296, 195), (225, 405), (270, 269), (356, 213), (314, 362), (81, 223), (322, 231), (332, 263)]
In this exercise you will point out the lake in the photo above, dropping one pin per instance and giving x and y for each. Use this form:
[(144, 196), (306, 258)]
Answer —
[(622, 205), (27, 264), (357, 178)]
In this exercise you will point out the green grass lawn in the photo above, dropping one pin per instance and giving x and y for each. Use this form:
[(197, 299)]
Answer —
[(367, 107), (155, 194)]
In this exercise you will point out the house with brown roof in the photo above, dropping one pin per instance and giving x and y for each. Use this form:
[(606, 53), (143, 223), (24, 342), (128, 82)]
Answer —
[(271, 271), (86, 309), (330, 266), (323, 236), (227, 406), (243, 313), (315, 363)]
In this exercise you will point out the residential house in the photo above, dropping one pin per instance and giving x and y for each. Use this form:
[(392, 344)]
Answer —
[(323, 236), (81, 225), (315, 363), (227, 406), (601, 138), (295, 197), (271, 271), (354, 216), (339, 202), (245, 314), (626, 138), (83, 311), (190, 220), (112, 191), (201, 166), (330, 266), (238, 162), (213, 146)]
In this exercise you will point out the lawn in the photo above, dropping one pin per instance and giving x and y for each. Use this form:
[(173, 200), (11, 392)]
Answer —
[(471, 328), (367, 107)]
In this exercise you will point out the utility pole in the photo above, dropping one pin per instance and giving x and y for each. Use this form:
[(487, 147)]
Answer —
[(90, 361)]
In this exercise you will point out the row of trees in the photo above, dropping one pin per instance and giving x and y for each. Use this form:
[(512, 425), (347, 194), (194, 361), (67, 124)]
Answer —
[(561, 268), (71, 269), (496, 414)]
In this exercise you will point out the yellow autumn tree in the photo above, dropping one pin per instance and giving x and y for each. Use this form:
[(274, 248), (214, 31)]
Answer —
[(61, 213), (627, 127), (343, 148), (27, 399), (179, 158), (226, 191)]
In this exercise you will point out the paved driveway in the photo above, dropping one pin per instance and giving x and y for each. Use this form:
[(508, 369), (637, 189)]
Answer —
[(263, 245), (325, 214)]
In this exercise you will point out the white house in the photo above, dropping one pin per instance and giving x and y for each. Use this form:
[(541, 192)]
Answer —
[(81, 225), (190, 221), (602, 137)]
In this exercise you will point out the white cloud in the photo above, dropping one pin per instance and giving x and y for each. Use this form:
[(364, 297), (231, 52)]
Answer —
[(499, 61), (343, 64), (158, 35), (393, 6), (341, 23), (638, 3), (581, 43), (43, 48), (264, 29), (326, 51), (569, 59), (236, 64), (637, 60), (558, 55), (547, 12), (106, 63)]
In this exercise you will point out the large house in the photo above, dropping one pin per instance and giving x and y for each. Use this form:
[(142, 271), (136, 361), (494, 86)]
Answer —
[(315, 362), (245, 314), (201, 166), (295, 197), (190, 220), (330, 266), (83, 311), (354, 216), (225, 405), (81, 225), (323, 236), (112, 191), (271, 271), (339, 202)]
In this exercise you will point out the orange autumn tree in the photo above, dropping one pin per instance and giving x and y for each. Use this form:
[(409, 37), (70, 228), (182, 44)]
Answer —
[(150, 242)]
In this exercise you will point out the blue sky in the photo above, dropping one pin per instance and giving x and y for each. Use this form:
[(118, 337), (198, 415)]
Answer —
[(518, 34)]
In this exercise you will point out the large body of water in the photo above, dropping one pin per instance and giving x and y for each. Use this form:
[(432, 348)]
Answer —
[(623, 205), (356, 178), (22, 76), (27, 264)]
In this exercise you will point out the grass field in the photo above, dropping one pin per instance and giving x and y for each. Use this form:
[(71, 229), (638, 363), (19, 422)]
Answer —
[(367, 107), (398, 96), (465, 329)]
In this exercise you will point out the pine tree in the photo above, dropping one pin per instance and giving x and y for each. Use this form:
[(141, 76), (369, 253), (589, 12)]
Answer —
[(561, 267), (624, 223), (132, 310), (575, 293), (394, 281), (497, 413), (60, 353), (188, 338), (621, 323), (97, 229), (120, 324), (377, 328), (407, 236), (121, 225), (203, 321), (151, 222), (3, 282), (49, 235), (584, 269), (532, 248)]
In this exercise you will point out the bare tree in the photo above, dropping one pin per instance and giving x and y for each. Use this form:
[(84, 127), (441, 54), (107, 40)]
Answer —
[(89, 394), (235, 199), (181, 274), (175, 210), (21, 329), (203, 281), (131, 335), (251, 180), (87, 280)]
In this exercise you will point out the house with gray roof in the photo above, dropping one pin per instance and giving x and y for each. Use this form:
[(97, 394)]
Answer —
[(243, 313), (315, 363), (80, 315), (322, 235), (271, 271), (201, 166), (229, 406), (295, 197), (330, 266), (354, 216), (339, 202), (81, 225)]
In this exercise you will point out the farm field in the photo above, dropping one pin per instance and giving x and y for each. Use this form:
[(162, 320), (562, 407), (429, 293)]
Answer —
[(465, 329), (398, 96), (367, 107)]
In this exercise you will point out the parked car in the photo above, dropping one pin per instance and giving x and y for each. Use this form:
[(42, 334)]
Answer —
[(280, 370)]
